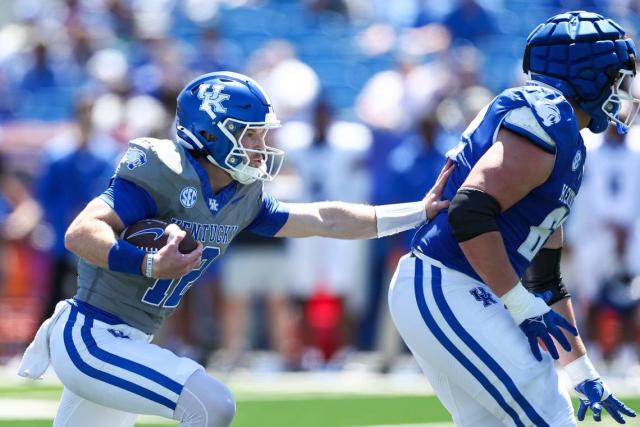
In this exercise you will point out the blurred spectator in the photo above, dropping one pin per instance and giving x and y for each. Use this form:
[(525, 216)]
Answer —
[(411, 169), (68, 182), (469, 20), (213, 53), (21, 267), (292, 84), (158, 66), (256, 270), (328, 275), (602, 232), (323, 6), (42, 96), (121, 18), (392, 99)]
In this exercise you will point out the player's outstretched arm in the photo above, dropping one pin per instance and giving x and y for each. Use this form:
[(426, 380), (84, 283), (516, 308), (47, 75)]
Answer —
[(489, 189), (342, 220)]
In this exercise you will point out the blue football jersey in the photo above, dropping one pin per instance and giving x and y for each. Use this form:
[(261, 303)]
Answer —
[(546, 118)]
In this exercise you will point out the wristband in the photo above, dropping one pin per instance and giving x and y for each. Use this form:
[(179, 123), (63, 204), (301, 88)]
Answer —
[(392, 219), (125, 258), (148, 268), (581, 370), (522, 304)]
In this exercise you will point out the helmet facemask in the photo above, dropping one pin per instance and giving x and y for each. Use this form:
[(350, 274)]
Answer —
[(622, 100), (240, 158)]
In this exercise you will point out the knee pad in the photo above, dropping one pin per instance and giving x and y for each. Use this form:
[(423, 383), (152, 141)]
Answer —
[(205, 402)]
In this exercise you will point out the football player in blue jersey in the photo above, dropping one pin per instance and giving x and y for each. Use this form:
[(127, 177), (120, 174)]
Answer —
[(482, 285), (210, 183)]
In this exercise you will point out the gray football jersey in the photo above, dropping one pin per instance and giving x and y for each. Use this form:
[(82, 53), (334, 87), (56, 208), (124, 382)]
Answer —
[(162, 168)]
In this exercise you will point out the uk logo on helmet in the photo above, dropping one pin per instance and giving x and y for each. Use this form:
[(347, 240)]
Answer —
[(212, 99), (548, 112), (188, 197)]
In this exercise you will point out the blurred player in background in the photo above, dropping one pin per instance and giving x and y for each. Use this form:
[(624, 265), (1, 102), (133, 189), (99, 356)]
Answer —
[(210, 183), (473, 298), (602, 238), (69, 181)]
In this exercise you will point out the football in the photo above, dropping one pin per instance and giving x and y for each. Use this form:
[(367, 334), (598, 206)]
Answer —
[(150, 236)]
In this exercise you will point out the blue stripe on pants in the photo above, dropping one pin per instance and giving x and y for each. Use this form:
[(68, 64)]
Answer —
[(121, 362), (482, 354), (452, 349), (104, 376)]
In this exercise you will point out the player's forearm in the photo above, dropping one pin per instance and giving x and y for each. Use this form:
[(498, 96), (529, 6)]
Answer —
[(565, 308), (90, 239), (347, 220), (487, 255), (351, 221)]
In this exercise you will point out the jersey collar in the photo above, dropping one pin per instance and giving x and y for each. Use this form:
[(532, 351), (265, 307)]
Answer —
[(215, 201), (538, 83)]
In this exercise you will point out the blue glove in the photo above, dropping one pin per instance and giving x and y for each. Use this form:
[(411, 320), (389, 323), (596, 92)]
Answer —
[(537, 320), (595, 395), (543, 327)]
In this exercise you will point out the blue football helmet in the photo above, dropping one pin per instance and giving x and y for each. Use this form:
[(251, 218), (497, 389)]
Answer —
[(589, 59), (215, 111)]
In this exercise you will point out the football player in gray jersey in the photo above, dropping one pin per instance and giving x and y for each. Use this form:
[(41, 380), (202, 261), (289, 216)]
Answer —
[(208, 183)]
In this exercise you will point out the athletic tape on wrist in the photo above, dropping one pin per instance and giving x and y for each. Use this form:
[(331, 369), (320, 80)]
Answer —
[(148, 269), (581, 370), (522, 304), (392, 219)]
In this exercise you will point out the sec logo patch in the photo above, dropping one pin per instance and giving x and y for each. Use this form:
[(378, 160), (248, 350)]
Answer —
[(188, 197)]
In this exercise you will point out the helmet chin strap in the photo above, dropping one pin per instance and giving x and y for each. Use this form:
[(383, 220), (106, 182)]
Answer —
[(244, 176)]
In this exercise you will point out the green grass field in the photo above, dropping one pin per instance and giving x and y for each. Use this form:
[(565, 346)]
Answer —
[(308, 410)]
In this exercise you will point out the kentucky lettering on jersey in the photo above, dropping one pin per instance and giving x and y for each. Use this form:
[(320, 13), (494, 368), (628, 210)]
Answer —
[(208, 233), (172, 177), (545, 117)]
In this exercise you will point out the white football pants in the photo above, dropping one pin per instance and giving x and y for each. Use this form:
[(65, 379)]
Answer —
[(111, 372), (477, 360)]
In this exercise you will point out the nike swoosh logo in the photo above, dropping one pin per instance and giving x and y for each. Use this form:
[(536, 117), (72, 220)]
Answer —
[(157, 232), (234, 201)]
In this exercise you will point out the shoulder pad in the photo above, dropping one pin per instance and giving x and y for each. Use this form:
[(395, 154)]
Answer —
[(541, 114), (153, 164), (162, 152), (522, 121)]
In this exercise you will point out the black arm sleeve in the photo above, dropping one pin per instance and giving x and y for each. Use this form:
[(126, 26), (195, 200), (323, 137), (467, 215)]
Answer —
[(472, 213), (543, 275)]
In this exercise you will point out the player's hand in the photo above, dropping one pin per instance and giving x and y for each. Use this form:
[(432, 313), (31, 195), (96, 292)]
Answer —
[(595, 395), (537, 321), (431, 200), (169, 263), (543, 327)]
